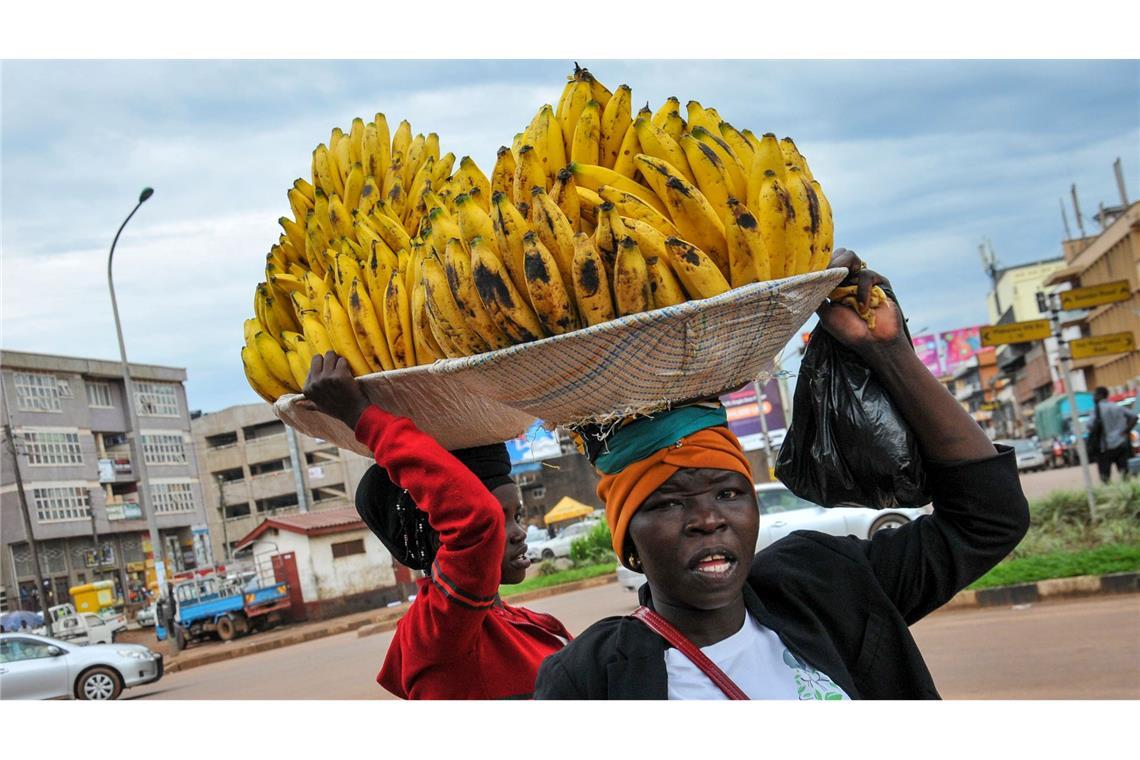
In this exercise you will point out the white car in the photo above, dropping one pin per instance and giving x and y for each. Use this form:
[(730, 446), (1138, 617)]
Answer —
[(782, 512), (147, 616), (1029, 454), (36, 667), (559, 546)]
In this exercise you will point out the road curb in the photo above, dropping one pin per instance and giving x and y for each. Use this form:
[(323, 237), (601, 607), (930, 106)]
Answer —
[(1053, 588), (386, 620)]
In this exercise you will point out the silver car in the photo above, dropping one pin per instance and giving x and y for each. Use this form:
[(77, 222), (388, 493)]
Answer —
[(782, 512), (36, 667)]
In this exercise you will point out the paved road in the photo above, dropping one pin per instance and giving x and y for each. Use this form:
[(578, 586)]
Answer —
[(1086, 648), (1038, 484)]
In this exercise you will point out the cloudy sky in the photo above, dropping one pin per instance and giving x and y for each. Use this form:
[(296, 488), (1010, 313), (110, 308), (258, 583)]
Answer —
[(921, 160)]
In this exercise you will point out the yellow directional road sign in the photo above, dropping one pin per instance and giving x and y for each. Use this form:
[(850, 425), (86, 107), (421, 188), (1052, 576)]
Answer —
[(1016, 332), (1095, 295), (1099, 345)]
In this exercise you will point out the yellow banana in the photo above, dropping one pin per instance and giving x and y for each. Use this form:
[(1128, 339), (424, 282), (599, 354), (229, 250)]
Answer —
[(345, 270), (616, 120), (300, 204), (442, 170), (390, 231), (593, 177), (777, 217), (366, 326), (325, 176), (691, 212), (529, 174), (259, 377), (598, 91), (664, 286), (398, 321), (697, 272), (654, 142), (552, 302), (565, 196), (591, 284), (510, 227), (473, 220), (342, 336), (737, 178), (674, 125), (508, 308), (457, 265), (824, 242), (417, 154), (296, 343), (739, 144), (369, 197), (766, 157), (804, 232), (304, 188), (631, 279), (339, 217), (375, 152), (353, 185), (554, 230), (401, 142), (711, 173), (748, 260), (470, 177), (548, 148), (315, 333), (392, 190), (299, 367), (250, 328), (793, 157), (503, 174), (586, 144), (608, 236), (579, 96), (342, 161), (427, 348), (445, 317), (588, 200), (630, 205), (661, 115), (274, 358), (627, 151)]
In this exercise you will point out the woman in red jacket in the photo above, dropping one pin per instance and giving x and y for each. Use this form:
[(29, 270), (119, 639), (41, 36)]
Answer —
[(456, 516)]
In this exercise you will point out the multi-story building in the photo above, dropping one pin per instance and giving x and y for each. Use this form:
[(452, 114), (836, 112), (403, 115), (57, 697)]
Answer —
[(1112, 255), (972, 386), (69, 422), (253, 467)]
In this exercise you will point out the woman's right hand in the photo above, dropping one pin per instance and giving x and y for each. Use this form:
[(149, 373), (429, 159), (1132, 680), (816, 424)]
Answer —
[(845, 325), (331, 387)]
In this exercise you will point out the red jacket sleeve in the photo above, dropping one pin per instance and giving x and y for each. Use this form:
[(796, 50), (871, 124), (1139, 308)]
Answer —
[(466, 573)]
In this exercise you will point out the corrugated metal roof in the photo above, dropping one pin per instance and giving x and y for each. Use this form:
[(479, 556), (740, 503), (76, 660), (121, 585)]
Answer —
[(307, 523)]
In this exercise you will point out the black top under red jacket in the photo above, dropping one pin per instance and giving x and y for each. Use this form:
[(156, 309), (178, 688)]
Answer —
[(843, 605), (454, 642)]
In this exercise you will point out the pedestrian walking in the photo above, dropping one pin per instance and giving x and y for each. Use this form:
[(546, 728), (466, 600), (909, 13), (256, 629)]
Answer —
[(812, 616), (1109, 436), (457, 516)]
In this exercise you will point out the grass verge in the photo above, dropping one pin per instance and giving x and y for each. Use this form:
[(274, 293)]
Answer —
[(1109, 558), (555, 579)]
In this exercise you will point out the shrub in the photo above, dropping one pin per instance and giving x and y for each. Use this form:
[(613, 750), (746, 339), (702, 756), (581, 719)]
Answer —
[(593, 548), (547, 567)]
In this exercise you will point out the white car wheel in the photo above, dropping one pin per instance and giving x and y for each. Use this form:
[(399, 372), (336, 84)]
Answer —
[(887, 522), (99, 684)]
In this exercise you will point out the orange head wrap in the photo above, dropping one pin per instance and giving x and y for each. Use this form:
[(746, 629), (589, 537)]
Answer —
[(623, 492)]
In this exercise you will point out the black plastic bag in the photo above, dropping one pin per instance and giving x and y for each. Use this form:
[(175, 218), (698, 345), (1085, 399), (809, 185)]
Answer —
[(847, 444)]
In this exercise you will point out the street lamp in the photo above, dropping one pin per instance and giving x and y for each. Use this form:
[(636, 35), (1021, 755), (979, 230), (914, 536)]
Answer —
[(132, 417)]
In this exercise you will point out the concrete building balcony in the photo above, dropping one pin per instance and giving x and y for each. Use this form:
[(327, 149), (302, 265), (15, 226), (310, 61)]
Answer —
[(116, 469), (235, 492), (272, 484), (224, 458), (266, 448)]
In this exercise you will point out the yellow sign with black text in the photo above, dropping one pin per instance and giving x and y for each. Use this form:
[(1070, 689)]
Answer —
[(1095, 295), (1016, 332), (1099, 345)]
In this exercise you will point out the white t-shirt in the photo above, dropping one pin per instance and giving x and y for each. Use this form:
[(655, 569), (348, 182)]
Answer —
[(757, 660)]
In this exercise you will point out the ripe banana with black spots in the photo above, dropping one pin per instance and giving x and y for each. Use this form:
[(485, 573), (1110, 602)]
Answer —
[(548, 294), (591, 283), (631, 279)]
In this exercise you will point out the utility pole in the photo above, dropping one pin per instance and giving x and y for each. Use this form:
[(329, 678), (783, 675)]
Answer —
[(296, 462), (759, 391), (222, 510), (41, 594)]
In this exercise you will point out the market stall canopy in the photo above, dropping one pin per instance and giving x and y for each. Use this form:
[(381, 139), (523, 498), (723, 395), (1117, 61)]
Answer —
[(567, 509)]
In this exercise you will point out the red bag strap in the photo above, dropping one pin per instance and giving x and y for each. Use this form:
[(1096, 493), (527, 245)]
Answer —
[(665, 630)]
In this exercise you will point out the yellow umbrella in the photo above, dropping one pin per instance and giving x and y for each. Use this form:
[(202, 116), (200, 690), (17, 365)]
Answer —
[(567, 509)]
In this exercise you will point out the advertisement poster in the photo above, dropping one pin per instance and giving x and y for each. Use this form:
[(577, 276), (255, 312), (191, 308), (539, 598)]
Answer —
[(744, 415), (961, 346), (535, 444), (926, 346)]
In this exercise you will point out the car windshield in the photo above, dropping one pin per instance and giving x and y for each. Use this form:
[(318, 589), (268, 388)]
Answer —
[(775, 500), (1024, 447)]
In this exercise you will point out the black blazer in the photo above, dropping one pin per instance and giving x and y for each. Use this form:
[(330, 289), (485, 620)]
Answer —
[(842, 605)]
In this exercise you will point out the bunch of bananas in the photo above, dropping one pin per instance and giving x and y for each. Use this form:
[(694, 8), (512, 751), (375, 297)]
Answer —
[(392, 260)]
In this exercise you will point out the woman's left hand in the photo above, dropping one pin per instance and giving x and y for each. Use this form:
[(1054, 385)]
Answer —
[(845, 325)]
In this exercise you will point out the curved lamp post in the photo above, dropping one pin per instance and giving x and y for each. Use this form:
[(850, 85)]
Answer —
[(138, 461)]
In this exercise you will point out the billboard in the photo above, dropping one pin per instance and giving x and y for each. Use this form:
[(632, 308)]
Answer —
[(926, 346), (743, 411), (535, 444), (961, 346)]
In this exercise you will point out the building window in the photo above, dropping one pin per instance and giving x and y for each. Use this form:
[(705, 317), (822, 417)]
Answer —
[(163, 449), (53, 448), (156, 400), (172, 497), (62, 504), (99, 395), (38, 392), (348, 548)]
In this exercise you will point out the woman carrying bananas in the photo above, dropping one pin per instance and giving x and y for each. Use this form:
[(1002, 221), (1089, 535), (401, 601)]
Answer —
[(455, 516), (812, 616)]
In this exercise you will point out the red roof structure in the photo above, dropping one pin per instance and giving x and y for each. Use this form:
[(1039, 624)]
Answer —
[(307, 523)]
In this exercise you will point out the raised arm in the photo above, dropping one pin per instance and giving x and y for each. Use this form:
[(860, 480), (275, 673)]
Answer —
[(468, 519), (980, 512)]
